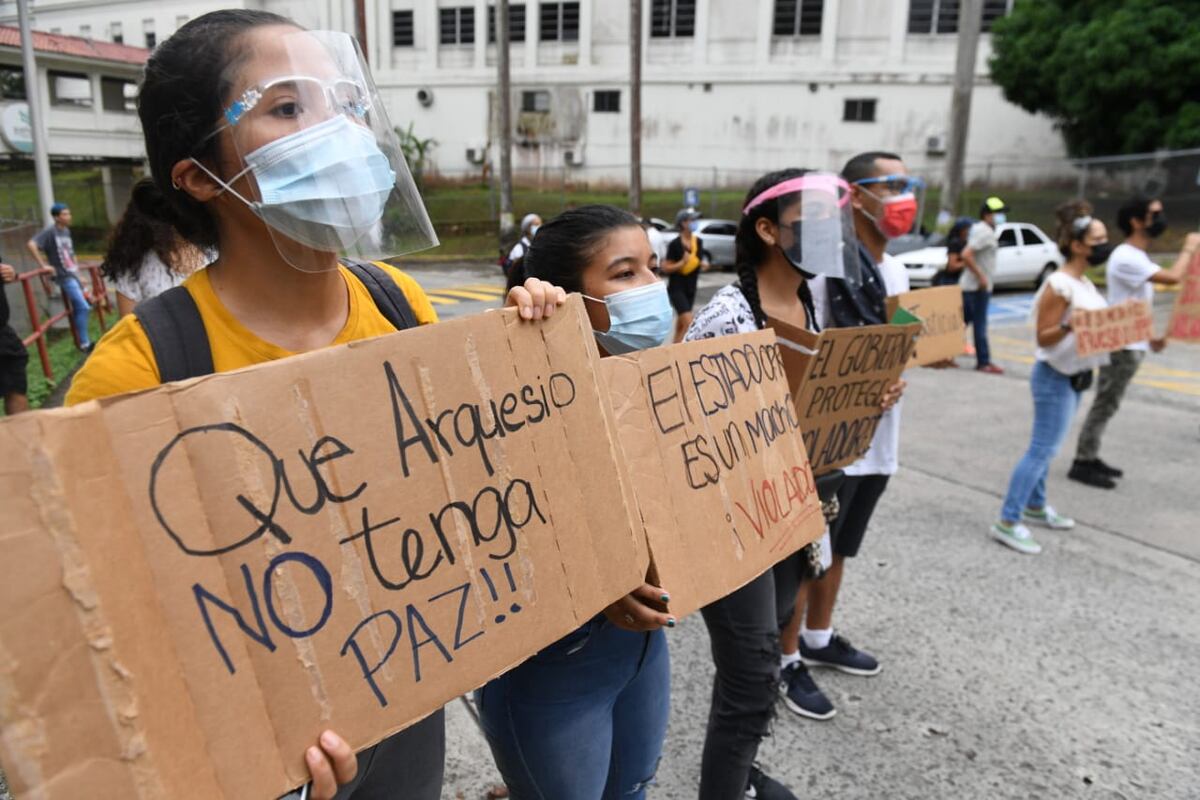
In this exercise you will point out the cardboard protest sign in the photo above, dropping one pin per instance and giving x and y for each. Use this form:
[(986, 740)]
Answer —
[(199, 579), (940, 311), (714, 450), (1107, 330), (1185, 317), (837, 379)]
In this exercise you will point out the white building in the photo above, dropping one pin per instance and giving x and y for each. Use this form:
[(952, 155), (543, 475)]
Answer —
[(731, 87)]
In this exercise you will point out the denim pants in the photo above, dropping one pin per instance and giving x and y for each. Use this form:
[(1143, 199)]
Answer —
[(743, 628), (80, 310), (975, 314), (1054, 404), (584, 719)]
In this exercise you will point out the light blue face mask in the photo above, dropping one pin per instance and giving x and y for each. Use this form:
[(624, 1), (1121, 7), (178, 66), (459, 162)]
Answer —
[(325, 186), (999, 218), (638, 318)]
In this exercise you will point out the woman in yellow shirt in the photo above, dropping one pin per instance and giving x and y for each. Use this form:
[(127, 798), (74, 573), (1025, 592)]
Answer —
[(270, 145)]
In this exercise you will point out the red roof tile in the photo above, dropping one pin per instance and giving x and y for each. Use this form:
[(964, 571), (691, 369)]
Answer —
[(75, 46)]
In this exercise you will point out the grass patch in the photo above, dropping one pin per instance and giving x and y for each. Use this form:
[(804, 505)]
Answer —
[(64, 356)]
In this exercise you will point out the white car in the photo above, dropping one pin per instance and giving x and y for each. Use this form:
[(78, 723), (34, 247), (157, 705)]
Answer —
[(1025, 256), (718, 236)]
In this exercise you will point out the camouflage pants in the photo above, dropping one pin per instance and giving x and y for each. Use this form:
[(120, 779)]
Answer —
[(1114, 380)]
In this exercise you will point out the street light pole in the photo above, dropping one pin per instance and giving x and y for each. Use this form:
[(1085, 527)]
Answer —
[(504, 107), (37, 121), (635, 106), (969, 19)]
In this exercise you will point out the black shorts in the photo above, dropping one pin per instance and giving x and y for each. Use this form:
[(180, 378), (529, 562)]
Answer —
[(857, 498), (13, 358), (682, 291)]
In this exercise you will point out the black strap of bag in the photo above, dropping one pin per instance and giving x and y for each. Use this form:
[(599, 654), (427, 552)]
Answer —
[(173, 324)]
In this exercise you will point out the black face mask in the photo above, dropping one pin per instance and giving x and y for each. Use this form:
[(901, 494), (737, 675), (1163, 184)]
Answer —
[(1100, 253), (1158, 224)]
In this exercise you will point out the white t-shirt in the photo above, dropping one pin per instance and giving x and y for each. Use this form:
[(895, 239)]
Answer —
[(883, 457), (1128, 272), (1079, 293), (518, 249), (983, 242), (725, 314), (658, 243)]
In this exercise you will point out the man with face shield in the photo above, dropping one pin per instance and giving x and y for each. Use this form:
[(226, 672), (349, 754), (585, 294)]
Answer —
[(884, 199), (269, 144)]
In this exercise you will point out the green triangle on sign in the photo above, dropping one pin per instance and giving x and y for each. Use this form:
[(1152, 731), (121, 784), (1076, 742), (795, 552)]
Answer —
[(903, 316)]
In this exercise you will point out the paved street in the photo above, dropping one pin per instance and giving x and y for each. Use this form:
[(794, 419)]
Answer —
[(1063, 675)]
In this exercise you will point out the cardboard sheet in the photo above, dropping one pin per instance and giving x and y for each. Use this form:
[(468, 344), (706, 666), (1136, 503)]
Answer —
[(1110, 329), (837, 379), (715, 452), (1185, 317), (199, 579), (940, 310)]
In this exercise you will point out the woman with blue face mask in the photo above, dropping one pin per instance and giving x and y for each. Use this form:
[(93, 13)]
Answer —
[(269, 144), (585, 718)]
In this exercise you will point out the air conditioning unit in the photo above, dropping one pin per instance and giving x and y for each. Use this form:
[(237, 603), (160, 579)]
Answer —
[(477, 154), (573, 157), (936, 145), (425, 96)]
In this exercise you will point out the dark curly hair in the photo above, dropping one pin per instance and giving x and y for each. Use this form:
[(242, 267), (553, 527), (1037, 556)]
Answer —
[(140, 231)]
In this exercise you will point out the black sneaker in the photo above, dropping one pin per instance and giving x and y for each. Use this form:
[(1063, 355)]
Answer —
[(1108, 469), (763, 787), (841, 655), (1087, 472), (801, 694)]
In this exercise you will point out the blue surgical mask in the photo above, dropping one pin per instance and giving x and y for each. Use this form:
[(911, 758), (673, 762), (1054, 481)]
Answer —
[(638, 318), (324, 186), (693, 226), (999, 218)]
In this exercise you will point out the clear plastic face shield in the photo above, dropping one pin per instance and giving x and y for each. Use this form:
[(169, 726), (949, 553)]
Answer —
[(816, 229), (895, 205), (322, 166)]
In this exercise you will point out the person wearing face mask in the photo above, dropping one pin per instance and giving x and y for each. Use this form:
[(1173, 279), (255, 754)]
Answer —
[(795, 226), (979, 258), (883, 197), (1058, 378), (1130, 275), (585, 718), (269, 144), (685, 260)]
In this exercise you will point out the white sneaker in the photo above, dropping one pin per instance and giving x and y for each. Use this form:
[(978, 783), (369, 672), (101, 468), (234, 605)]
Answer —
[(1017, 537), (1048, 518)]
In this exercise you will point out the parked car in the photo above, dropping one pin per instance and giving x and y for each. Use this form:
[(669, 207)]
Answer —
[(718, 236), (1026, 256)]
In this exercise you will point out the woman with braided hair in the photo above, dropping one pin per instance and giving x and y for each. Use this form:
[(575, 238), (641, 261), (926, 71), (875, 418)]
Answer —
[(791, 230)]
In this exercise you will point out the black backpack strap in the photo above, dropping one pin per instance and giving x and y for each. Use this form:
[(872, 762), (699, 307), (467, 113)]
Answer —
[(389, 298), (176, 332)]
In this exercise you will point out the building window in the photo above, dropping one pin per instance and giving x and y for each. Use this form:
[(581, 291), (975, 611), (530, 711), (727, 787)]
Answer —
[(180, 21), (516, 23), (535, 102), (56, 30), (70, 89), (118, 94), (151, 36), (941, 16), (672, 18), (798, 17), (994, 10), (85, 31), (607, 101), (402, 29), (859, 111), (12, 84), (457, 25), (116, 34), (559, 22)]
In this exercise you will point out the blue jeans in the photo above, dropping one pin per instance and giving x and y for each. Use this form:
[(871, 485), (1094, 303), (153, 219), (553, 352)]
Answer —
[(584, 719), (975, 314), (80, 310), (1054, 404)]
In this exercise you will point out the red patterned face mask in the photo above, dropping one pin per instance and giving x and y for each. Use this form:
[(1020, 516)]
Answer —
[(898, 215)]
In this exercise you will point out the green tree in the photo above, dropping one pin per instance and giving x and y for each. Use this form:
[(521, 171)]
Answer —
[(416, 152), (1117, 76)]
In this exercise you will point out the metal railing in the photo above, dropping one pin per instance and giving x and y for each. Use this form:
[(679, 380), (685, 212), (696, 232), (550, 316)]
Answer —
[(40, 327)]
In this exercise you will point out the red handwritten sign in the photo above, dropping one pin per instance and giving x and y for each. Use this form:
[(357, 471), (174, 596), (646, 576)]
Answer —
[(1185, 318), (1107, 330)]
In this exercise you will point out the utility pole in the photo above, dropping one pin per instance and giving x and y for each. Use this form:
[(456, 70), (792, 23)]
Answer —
[(37, 120), (504, 108), (970, 17), (635, 106), (360, 28)]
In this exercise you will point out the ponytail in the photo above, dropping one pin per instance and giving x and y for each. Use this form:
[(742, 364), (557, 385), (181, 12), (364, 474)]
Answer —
[(144, 227)]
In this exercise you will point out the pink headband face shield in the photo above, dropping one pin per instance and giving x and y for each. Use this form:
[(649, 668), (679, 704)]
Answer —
[(816, 227)]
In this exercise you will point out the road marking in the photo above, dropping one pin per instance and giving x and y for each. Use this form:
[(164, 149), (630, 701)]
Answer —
[(462, 294)]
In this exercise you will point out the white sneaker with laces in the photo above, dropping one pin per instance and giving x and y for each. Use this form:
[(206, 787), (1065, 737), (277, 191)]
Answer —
[(1047, 517)]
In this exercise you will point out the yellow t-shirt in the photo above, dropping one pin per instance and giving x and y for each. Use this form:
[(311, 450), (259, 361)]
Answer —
[(124, 361)]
